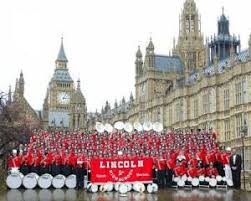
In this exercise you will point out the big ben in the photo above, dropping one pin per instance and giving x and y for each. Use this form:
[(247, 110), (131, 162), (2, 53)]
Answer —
[(64, 105)]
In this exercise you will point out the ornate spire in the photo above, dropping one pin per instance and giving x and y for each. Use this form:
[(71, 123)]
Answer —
[(131, 97), (139, 54), (150, 46), (78, 85), (61, 53), (9, 95)]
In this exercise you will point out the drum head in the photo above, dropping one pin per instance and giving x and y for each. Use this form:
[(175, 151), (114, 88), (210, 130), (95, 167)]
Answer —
[(14, 181), (219, 178), (212, 182), (71, 181), (138, 126), (207, 179), (141, 187), (158, 127), (176, 179), (128, 127), (123, 188), (201, 178), (108, 128), (100, 127), (181, 183), (109, 187), (149, 188), (58, 181), (94, 188), (147, 126), (184, 177), (119, 125), (155, 187), (129, 187), (117, 186), (195, 182), (44, 181), (30, 181)]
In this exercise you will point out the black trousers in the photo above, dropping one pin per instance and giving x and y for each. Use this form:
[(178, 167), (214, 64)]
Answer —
[(80, 172), (169, 177), (236, 175), (161, 174), (55, 169), (66, 170), (25, 169), (44, 169), (220, 168), (34, 169)]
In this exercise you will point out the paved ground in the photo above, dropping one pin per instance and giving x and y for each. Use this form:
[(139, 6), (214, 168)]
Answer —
[(162, 195)]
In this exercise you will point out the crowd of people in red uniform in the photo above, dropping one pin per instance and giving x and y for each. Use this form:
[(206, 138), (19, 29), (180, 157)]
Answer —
[(174, 153)]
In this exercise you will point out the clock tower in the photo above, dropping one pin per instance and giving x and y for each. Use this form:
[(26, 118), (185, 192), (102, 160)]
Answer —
[(60, 98)]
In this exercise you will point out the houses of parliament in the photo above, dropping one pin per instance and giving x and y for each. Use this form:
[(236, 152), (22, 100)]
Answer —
[(204, 83)]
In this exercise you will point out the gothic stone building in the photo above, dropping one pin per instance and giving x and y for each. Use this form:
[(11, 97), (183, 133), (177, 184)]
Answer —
[(64, 105), (201, 85), (29, 114)]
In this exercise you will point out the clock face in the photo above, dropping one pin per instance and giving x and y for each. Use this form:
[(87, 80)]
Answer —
[(64, 98)]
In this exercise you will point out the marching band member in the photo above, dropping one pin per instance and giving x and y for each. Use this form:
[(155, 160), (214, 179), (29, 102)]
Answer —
[(14, 160), (161, 170), (211, 171)]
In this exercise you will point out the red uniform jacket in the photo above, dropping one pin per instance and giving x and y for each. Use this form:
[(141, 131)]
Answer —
[(211, 172), (192, 172)]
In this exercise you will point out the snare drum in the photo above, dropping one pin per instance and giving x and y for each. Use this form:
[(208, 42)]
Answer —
[(14, 180), (71, 181), (30, 180), (44, 181), (58, 181)]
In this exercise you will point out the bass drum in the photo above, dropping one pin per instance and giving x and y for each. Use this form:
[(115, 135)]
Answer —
[(71, 181), (129, 187), (94, 188), (14, 180), (44, 181), (123, 188), (58, 181), (212, 182), (195, 182), (149, 188), (155, 187), (181, 183), (109, 187), (30, 180)]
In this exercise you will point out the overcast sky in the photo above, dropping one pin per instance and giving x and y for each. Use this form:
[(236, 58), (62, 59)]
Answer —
[(100, 39)]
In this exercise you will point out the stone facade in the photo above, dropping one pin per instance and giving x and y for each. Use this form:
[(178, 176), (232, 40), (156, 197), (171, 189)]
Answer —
[(64, 105), (29, 114), (199, 86)]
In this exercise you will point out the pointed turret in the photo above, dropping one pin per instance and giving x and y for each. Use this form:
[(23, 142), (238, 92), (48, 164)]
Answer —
[(223, 24), (149, 59), (115, 104), (78, 85), (9, 95), (61, 61), (21, 84), (139, 62), (131, 97)]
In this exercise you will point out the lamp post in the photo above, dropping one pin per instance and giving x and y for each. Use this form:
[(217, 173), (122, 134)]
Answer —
[(244, 131)]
